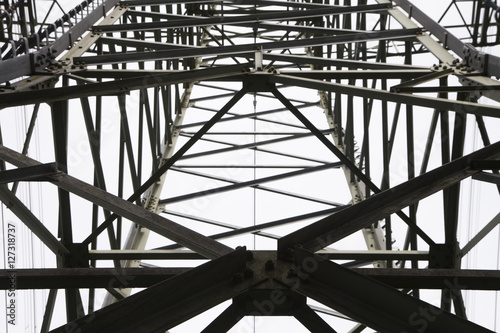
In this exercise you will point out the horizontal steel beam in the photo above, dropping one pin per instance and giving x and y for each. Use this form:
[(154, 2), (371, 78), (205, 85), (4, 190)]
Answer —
[(244, 50), (172, 301), (169, 229), (487, 177), (491, 64), (357, 74), (326, 62), (57, 278), (36, 172), (60, 278), (429, 102), (458, 279), (187, 255), (339, 225), (227, 20), (116, 87), (23, 65), (143, 255)]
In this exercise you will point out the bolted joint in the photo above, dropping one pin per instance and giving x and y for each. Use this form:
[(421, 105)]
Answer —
[(291, 273), (78, 256), (269, 265), (238, 277)]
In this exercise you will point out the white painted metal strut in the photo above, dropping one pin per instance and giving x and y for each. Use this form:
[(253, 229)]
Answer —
[(138, 235)]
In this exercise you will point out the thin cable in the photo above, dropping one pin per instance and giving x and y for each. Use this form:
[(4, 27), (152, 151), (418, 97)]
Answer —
[(495, 319), (254, 177)]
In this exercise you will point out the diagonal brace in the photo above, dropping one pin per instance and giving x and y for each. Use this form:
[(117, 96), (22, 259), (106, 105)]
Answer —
[(370, 302), (339, 225), (191, 239), (170, 302)]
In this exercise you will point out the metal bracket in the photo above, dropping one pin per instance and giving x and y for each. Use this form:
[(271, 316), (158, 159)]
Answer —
[(475, 59), (78, 256), (32, 173), (444, 256)]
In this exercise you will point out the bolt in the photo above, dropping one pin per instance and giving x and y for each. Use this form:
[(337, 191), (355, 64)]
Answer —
[(269, 265), (291, 273), (248, 274)]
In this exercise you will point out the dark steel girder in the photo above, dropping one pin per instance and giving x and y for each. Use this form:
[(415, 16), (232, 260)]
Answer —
[(429, 102), (170, 302), (369, 301), (337, 226), (227, 319), (137, 214), (325, 62), (57, 278), (22, 65), (245, 50), (404, 74), (262, 3), (34, 173), (116, 87), (48, 278)]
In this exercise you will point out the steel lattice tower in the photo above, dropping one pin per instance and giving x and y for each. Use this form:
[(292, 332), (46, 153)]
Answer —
[(253, 165)]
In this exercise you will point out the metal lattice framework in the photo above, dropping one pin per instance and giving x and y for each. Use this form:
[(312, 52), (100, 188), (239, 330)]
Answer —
[(236, 159)]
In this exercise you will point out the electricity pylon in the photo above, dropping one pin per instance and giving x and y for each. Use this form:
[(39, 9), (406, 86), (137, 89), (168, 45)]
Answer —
[(201, 162)]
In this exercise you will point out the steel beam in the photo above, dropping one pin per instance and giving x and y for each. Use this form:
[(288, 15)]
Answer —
[(349, 63), (480, 235), (47, 278), (224, 20), (116, 87), (335, 227), (167, 304), (31, 221), (429, 102), (57, 278), (227, 319), (34, 173), (139, 215), (244, 50)]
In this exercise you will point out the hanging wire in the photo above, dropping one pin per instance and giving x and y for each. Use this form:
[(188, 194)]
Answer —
[(496, 292), (254, 177)]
